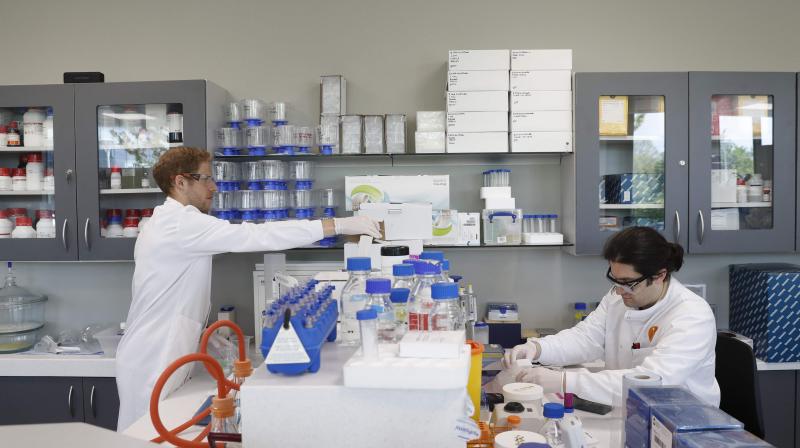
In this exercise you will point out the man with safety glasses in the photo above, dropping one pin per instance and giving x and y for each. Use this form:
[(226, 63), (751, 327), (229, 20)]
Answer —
[(647, 323), (172, 278)]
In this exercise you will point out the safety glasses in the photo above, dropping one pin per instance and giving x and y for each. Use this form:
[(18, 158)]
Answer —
[(626, 287), (203, 178)]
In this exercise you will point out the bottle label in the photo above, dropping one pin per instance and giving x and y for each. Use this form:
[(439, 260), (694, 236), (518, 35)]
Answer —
[(418, 322), (287, 348)]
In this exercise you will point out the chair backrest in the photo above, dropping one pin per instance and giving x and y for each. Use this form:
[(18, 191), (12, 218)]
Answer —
[(738, 382)]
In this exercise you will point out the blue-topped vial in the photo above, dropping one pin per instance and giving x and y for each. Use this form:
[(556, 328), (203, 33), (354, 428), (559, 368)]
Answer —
[(233, 115), (303, 139), (253, 112), (277, 113), (304, 213), (229, 141), (257, 138)]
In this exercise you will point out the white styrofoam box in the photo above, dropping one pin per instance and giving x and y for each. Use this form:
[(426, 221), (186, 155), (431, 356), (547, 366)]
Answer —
[(477, 122), (479, 60), (499, 203), (485, 101), (431, 120), (333, 95), (534, 239), (373, 250), (469, 229), (477, 142), (477, 80), (540, 100), (401, 221), (432, 344), (542, 121), (429, 142), (541, 142), (541, 80), (434, 189), (390, 371), (495, 192), (723, 185), (444, 225), (541, 59)]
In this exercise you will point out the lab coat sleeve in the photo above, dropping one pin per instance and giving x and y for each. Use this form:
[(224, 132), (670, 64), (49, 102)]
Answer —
[(688, 342), (207, 235), (582, 343)]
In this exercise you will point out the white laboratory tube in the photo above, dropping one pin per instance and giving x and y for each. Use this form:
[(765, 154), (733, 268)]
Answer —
[(368, 325)]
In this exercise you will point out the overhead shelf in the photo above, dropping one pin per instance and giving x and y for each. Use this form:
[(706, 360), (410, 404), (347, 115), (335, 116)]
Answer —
[(27, 193), (631, 206), (741, 204), (388, 156), (25, 149), (132, 191), (481, 246)]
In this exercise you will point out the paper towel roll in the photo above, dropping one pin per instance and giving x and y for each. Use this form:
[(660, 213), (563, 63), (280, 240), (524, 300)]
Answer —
[(635, 379)]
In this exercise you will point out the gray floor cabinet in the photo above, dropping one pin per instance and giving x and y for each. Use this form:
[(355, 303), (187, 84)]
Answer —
[(778, 403)]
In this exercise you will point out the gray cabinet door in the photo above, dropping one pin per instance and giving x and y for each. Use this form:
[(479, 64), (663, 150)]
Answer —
[(60, 158), (649, 142), (145, 99), (27, 400), (778, 405), (741, 139), (101, 402)]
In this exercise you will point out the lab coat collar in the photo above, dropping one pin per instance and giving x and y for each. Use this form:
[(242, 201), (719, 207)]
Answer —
[(171, 202), (633, 314)]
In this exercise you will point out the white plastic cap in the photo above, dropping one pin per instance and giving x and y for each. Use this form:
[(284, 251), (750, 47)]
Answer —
[(522, 392)]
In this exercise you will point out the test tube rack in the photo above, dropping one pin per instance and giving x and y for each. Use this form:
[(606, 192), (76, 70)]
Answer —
[(295, 328)]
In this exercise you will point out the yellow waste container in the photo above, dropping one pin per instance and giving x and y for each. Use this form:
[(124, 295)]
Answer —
[(474, 382)]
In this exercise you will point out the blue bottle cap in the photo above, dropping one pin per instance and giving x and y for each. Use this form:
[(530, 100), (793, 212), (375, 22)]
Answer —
[(580, 305), (445, 265), (399, 295), (303, 185), (254, 185), (326, 150), (378, 285), (553, 410), (403, 270), (529, 216), (359, 264), (442, 291), (279, 122), (329, 212), (435, 255), (253, 122), (115, 220), (423, 268), (481, 324), (367, 314), (304, 213)]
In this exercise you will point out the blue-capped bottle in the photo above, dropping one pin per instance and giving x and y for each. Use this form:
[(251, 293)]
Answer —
[(551, 430), (354, 298), (378, 290), (446, 314)]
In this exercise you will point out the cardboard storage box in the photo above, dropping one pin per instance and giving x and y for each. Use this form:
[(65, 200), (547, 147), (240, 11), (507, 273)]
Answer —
[(477, 122), (434, 189), (479, 60), (404, 221), (477, 142), (429, 142), (477, 80), (469, 229), (543, 121), (487, 101), (541, 80), (538, 100), (764, 307), (541, 59), (541, 142), (445, 228)]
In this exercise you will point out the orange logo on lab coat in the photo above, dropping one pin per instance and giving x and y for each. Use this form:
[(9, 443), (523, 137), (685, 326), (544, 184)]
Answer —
[(652, 332)]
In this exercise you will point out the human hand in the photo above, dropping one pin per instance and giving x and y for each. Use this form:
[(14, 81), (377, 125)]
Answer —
[(552, 381), (528, 350), (358, 225)]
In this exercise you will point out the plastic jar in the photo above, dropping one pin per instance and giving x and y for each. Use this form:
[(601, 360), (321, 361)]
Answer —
[(131, 228), (13, 137), (23, 228), (5, 225), (14, 213), (5, 179), (114, 228), (133, 214), (33, 127), (392, 255), (46, 225), (3, 135), (49, 182), (19, 181), (34, 172), (147, 213), (368, 327), (116, 178)]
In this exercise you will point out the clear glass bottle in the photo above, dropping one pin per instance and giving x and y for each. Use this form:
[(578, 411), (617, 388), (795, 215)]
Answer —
[(403, 276), (432, 256), (551, 430), (223, 416), (446, 314), (378, 290), (444, 265), (354, 298), (420, 303), (399, 298)]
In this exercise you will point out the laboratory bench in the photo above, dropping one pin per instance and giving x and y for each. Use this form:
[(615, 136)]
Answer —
[(67, 435)]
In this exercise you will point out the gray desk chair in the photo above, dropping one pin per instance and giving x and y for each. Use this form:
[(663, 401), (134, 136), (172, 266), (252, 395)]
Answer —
[(738, 382)]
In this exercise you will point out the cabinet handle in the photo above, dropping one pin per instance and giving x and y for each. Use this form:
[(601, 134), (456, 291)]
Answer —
[(677, 227), (69, 401), (91, 402), (86, 233), (702, 232), (68, 175), (64, 234)]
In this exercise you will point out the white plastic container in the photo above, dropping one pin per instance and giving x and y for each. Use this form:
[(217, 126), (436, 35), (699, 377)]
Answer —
[(19, 181), (34, 172), (147, 213), (5, 179), (49, 181), (24, 228), (46, 227), (116, 178), (502, 227), (47, 128), (368, 327), (33, 127), (5, 225), (114, 228), (131, 228)]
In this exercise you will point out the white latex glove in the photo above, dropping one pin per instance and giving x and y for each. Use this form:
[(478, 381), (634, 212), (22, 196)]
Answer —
[(220, 343), (528, 350), (552, 381), (357, 225)]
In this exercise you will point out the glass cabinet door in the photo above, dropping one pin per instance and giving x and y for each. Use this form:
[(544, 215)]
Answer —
[(742, 149), (123, 128), (37, 156), (631, 163)]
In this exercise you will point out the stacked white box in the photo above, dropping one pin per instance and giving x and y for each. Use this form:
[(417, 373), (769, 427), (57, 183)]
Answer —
[(430, 135), (477, 100), (541, 101)]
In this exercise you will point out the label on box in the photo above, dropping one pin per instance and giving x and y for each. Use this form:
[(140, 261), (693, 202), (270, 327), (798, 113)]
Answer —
[(541, 80), (477, 122), (541, 142), (479, 60), (444, 227), (477, 101), (434, 189), (560, 59), (534, 101), (477, 80), (547, 121), (477, 142), (660, 436)]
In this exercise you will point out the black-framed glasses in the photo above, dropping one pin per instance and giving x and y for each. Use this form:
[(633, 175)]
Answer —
[(204, 178), (626, 287)]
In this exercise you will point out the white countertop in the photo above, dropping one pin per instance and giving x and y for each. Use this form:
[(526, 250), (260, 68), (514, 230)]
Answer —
[(761, 365), (67, 435), (19, 364)]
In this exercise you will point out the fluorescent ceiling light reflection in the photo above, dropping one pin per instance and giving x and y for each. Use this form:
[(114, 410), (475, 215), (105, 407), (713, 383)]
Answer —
[(128, 116)]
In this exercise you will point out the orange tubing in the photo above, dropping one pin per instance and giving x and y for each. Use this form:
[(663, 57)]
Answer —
[(224, 323)]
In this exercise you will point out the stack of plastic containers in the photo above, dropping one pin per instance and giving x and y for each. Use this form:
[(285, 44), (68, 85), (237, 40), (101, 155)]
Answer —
[(275, 190), (302, 197), (226, 175), (328, 204)]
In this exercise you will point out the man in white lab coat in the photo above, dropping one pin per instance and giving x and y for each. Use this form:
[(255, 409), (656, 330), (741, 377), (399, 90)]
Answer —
[(648, 322), (172, 279)]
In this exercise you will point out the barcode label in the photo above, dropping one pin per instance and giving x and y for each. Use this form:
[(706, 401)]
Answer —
[(660, 436)]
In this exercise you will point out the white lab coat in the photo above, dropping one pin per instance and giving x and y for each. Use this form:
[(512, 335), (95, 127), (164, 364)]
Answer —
[(172, 289), (681, 349)]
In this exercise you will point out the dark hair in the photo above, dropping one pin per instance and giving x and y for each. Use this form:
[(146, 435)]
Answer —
[(644, 249), (177, 161)]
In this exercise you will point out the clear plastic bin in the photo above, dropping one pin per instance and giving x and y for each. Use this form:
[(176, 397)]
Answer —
[(502, 227)]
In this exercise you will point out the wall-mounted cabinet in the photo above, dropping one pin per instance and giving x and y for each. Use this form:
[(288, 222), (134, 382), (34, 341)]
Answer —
[(706, 158), (95, 153)]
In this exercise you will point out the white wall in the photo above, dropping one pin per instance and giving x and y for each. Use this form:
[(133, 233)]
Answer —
[(393, 55)]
